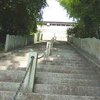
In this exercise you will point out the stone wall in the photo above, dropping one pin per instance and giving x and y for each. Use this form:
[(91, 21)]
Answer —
[(13, 42), (90, 45)]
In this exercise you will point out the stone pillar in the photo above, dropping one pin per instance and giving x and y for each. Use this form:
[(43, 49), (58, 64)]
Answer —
[(30, 77)]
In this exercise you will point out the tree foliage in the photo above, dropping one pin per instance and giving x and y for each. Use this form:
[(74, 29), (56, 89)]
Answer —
[(87, 13), (20, 16)]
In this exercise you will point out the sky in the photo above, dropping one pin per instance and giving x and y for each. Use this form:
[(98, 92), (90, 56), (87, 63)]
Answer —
[(55, 12)]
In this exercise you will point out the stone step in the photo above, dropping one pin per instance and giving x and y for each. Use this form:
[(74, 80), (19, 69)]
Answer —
[(9, 86), (8, 95), (68, 82), (69, 71), (67, 90), (47, 75), (11, 75), (60, 62), (47, 67), (18, 68), (64, 62), (66, 56), (70, 64), (66, 69)]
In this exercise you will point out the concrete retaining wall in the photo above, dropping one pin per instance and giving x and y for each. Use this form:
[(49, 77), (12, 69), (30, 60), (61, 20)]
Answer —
[(13, 42), (90, 45)]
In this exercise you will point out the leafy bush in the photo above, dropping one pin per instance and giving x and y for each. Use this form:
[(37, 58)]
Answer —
[(19, 17), (87, 14)]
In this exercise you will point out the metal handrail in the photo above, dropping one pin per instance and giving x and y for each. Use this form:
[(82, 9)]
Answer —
[(22, 82)]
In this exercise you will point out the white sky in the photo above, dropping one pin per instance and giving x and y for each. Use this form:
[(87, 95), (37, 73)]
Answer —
[(55, 12)]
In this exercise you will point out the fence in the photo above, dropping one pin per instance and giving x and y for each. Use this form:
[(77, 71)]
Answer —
[(30, 39), (90, 45), (13, 42)]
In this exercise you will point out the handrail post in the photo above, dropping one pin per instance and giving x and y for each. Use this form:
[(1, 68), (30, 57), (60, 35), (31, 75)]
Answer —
[(7, 42), (30, 78), (52, 42), (48, 49)]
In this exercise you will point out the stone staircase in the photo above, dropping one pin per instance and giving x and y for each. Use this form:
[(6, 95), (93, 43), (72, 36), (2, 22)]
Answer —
[(65, 75)]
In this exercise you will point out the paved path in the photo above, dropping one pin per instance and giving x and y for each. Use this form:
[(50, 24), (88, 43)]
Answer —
[(19, 58), (63, 53), (65, 75), (66, 72)]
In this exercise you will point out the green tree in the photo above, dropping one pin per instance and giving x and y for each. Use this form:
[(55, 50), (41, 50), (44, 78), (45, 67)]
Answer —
[(20, 16), (87, 14)]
